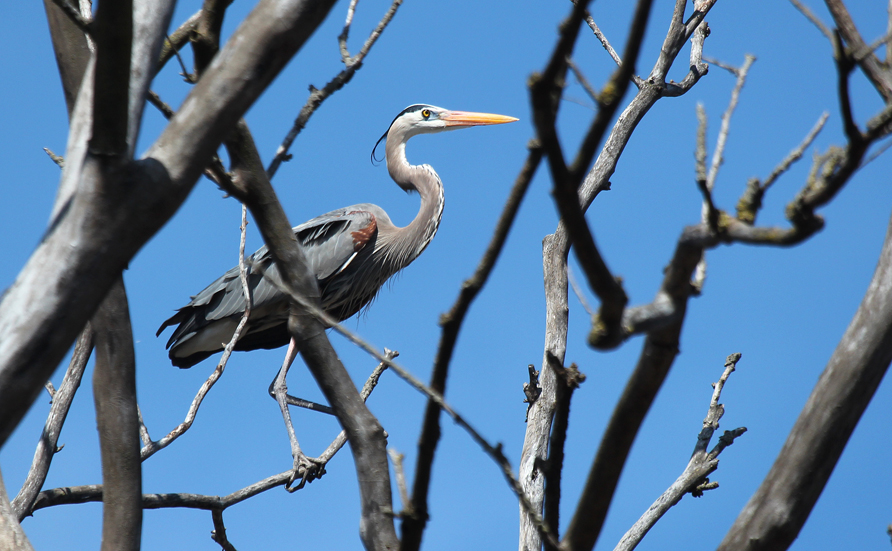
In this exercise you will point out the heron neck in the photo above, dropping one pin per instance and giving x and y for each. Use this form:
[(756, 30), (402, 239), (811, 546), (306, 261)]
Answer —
[(411, 240)]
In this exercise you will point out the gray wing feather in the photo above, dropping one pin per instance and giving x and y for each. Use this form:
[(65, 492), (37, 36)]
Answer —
[(329, 244)]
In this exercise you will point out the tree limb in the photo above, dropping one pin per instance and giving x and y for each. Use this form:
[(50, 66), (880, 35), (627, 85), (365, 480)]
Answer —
[(46, 446), (413, 524), (12, 537), (114, 390), (69, 283), (700, 466), (775, 514)]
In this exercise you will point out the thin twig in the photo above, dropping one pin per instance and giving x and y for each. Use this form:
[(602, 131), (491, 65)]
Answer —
[(149, 449), (577, 290), (797, 153), (366, 391), (873, 156), (397, 459), (813, 18), (215, 170), (708, 212), (317, 96), (722, 65), (603, 39), (56, 158), (589, 89), (83, 494), (718, 154), (342, 38), (177, 40)]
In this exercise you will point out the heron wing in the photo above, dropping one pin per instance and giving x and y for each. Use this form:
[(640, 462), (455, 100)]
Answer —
[(333, 240), (330, 242)]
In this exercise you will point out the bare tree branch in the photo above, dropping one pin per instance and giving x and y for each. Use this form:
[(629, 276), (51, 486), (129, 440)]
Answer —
[(111, 89), (701, 465), (415, 519), (718, 154), (590, 21), (82, 23), (117, 420), (813, 18), (84, 494), (879, 75), (219, 533), (569, 380), (12, 537), (588, 519), (113, 231), (46, 446), (151, 447), (364, 432), (776, 512), (70, 47), (751, 201), (317, 96)]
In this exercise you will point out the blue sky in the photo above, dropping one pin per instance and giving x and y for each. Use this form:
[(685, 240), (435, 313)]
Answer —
[(784, 309)]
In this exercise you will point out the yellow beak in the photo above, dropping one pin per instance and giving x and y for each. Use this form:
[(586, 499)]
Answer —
[(464, 118)]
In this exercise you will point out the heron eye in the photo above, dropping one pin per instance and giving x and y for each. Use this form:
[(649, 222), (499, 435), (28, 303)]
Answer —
[(426, 113)]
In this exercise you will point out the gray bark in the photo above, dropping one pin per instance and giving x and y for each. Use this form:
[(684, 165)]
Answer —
[(779, 508)]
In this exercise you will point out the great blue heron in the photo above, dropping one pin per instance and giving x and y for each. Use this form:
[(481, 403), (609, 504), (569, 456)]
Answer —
[(352, 251)]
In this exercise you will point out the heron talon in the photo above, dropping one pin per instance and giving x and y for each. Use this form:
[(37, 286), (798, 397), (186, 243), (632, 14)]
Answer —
[(306, 469)]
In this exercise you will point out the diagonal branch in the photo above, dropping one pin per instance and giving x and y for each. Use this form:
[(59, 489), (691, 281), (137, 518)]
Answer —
[(364, 432), (451, 322), (46, 446), (151, 447), (777, 511), (701, 465), (352, 64)]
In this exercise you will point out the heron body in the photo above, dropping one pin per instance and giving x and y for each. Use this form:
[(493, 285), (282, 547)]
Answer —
[(352, 251)]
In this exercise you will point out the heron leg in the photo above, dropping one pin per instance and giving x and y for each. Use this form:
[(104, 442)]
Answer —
[(305, 468), (299, 402)]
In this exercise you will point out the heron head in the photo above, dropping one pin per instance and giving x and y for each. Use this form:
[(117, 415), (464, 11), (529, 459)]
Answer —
[(426, 119)]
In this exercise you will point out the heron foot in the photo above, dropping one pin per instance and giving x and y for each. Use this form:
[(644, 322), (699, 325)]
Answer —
[(306, 469)]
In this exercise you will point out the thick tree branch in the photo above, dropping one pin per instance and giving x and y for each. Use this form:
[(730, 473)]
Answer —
[(114, 39), (69, 282), (114, 390), (12, 537), (775, 514), (365, 434), (70, 47)]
